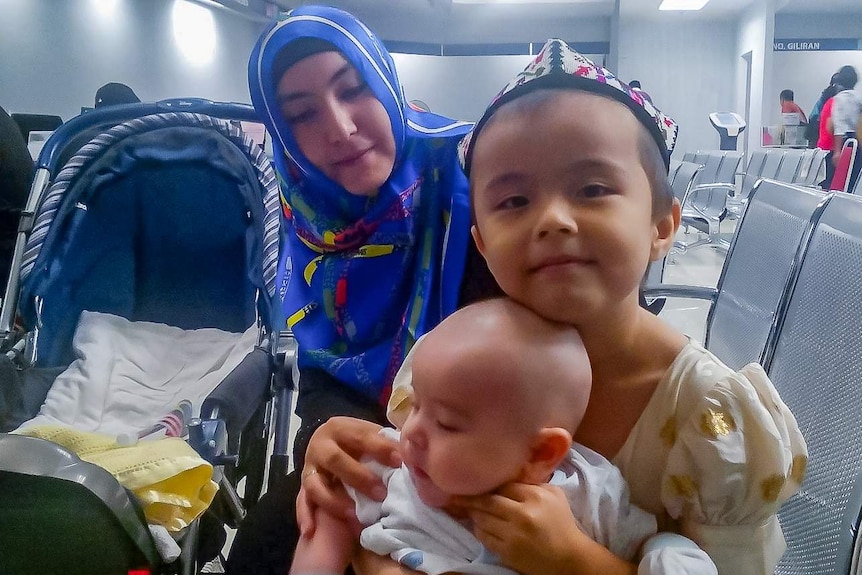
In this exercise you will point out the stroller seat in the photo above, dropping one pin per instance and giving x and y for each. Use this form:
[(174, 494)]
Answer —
[(167, 220)]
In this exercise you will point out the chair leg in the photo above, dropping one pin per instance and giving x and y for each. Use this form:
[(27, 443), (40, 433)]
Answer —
[(713, 239)]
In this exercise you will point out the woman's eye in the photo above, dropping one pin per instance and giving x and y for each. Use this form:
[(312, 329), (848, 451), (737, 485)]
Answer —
[(513, 202), (299, 117), (354, 92)]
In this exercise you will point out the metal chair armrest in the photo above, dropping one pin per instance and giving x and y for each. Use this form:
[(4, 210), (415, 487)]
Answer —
[(680, 291)]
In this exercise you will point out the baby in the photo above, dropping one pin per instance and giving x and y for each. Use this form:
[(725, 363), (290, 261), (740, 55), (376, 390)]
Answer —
[(498, 395)]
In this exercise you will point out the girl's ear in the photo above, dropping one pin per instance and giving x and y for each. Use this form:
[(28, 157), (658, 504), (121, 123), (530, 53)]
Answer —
[(477, 237), (665, 232), (548, 449)]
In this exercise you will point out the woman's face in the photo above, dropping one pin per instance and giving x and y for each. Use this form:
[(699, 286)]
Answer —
[(338, 122)]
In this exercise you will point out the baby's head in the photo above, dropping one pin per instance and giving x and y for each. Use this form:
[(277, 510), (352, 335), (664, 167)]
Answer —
[(498, 394), (568, 176)]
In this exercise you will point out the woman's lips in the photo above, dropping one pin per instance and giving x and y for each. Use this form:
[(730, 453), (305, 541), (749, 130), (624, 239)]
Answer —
[(351, 159)]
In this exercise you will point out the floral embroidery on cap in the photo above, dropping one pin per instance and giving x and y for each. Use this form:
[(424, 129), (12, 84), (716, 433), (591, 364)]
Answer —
[(557, 57)]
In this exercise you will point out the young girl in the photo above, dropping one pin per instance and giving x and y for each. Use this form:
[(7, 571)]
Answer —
[(568, 176)]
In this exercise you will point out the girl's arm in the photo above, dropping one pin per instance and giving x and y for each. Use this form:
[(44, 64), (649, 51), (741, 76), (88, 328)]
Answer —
[(533, 531)]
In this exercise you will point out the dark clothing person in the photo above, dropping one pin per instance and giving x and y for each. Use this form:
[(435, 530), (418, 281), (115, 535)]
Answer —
[(114, 93), (16, 172)]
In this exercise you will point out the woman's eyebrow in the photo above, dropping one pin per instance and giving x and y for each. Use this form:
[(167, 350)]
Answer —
[(291, 96)]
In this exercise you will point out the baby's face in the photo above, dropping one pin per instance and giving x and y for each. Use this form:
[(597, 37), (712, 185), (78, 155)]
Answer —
[(563, 205), (461, 438)]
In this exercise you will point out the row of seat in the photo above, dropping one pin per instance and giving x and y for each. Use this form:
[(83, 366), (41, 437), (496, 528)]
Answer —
[(787, 298), (719, 189)]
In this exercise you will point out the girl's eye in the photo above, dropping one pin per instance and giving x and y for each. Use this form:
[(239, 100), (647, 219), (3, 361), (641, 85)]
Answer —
[(594, 191), (513, 202)]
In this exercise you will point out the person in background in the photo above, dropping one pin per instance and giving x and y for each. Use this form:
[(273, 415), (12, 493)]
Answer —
[(846, 110), (788, 106), (16, 172), (636, 86), (831, 136), (114, 93), (812, 131)]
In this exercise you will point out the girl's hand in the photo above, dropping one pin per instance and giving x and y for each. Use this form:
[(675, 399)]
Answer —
[(333, 458), (533, 531)]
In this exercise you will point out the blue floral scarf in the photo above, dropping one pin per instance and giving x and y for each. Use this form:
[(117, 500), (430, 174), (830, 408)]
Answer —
[(363, 278)]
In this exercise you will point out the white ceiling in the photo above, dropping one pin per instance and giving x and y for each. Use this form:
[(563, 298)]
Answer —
[(424, 15), (714, 9), (822, 7)]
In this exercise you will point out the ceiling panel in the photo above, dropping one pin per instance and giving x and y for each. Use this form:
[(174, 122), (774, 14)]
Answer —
[(822, 7)]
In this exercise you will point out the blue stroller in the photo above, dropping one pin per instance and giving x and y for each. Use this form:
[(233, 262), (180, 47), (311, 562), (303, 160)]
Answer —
[(163, 213)]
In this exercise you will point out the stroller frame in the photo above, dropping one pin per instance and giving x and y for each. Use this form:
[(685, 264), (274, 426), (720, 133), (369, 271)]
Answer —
[(208, 435)]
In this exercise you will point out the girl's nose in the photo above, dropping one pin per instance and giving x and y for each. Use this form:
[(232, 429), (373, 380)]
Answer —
[(339, 122), (557, 217)]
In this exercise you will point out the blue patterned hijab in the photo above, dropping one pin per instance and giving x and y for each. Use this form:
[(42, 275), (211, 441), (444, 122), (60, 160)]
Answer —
[(363, 278)]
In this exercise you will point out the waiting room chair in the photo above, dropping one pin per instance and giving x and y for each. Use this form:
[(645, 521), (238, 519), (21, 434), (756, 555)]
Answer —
[(790, 166), (810, 167), (814, 361), (842, 179), (745, 302), (746, 180), (36, 123), (705, 206)]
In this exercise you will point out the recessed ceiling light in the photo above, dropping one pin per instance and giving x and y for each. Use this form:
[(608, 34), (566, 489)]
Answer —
[(682, 4)]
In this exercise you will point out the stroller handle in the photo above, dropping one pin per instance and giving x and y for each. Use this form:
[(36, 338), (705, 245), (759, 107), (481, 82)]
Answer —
[(108, 116)]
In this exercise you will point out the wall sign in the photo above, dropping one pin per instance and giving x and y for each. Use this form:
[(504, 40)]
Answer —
[(815, 44)]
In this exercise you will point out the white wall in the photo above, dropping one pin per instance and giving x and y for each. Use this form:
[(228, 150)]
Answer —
[(807, 74), (687, 68), (755, 34), (818, 25), (457, 86), (481, 24), (55, 54)]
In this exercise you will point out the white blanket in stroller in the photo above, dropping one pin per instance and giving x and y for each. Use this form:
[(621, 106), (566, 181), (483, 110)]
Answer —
[(128, 375)]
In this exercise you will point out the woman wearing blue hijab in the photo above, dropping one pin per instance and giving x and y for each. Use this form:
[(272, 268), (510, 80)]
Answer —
[(377, 247)]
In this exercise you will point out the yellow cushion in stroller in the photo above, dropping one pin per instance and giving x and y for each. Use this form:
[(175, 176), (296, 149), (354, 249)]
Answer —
[(172, 482)]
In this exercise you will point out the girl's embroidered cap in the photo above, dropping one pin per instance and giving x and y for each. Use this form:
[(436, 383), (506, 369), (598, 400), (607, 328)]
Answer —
[(559, 66)]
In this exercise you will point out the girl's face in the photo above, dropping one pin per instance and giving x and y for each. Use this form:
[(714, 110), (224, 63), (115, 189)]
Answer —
[(338, 123), (563, 206)]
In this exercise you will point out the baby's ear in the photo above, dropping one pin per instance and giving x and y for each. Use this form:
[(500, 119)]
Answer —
[(665, 232), (548, 449)]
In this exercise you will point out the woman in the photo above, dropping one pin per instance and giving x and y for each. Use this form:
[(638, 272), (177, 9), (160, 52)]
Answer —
[(377, 245)]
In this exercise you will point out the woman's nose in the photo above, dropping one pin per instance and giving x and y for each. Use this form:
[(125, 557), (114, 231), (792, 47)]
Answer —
[(557, 217), (339, 122)]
